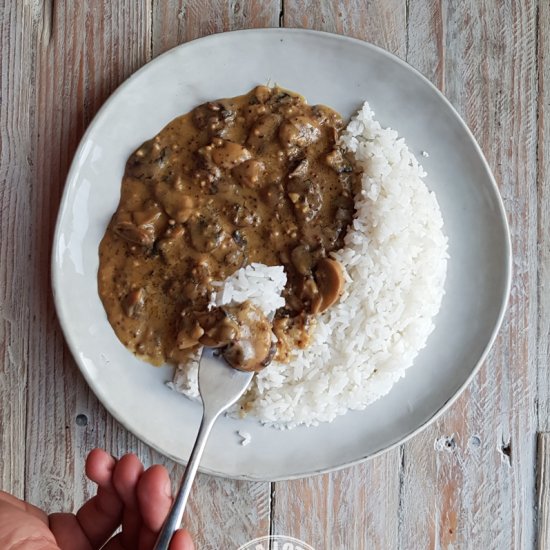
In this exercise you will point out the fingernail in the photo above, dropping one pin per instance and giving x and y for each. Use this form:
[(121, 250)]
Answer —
[(168, 489)]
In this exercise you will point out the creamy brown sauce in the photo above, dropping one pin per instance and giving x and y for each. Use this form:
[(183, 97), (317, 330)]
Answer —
[(255, 178)]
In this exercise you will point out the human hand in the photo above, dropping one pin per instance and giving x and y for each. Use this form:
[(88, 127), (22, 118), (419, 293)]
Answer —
[(127, 495)]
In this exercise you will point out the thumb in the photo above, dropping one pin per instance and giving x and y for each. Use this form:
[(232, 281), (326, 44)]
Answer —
[(181, 540)]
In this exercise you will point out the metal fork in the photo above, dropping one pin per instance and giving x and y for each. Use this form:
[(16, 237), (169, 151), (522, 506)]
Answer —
[(219, 386)]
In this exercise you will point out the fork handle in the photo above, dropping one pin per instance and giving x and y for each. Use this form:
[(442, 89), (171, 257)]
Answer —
[(173, 521)]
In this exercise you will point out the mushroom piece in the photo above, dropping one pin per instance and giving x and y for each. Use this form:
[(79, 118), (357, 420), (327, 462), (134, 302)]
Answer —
[(133, 303), (306, 198), (299, 131), (177, 205), (302, 259), (249, 173), (330, 283), (140, 226), (220, 329), (263, 130), (227, 154), (212, 116), (205, 234), (335, 159), (262, 93), (144, 236), (301, 169), (190, 331), (253, 348)]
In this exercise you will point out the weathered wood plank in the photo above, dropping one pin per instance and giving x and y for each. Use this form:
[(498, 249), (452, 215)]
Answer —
[(353, 508), (477, 462), (543, 491), (543, 216), (83, 51), (17, 35), (221, 513), (358, 507), (381, 22), (177, 21)]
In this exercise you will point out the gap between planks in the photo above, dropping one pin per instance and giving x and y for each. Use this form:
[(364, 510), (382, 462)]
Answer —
[(543, 491)]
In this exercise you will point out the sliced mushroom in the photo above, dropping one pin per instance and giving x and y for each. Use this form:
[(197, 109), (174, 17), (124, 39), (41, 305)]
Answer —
[(190, 331), (213, 117), (302, 259), (262, 93), (253, 348), (280, 97), (133, 303), (229, 154), (219, 328), (210, 171), (148, 215), (300, 171), (176, 204), (205, 233), (241, 216), (306, 198), (181, 209), (144, 236), (171, 246), (263, 130), (249, 173), (330, 282), (299, 131), (326, 115), (335, 159)]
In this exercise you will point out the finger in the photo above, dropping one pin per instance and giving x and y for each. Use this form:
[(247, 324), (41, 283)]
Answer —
[(115, 543), (155, 497), (67, 532), (147, 538), (125, 479), (126, 476), (99, 468), (102, 514), (24, 506), (181, 540), (131, 528)]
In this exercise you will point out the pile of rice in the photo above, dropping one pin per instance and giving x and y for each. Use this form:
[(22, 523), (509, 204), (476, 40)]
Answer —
[(394, 260)]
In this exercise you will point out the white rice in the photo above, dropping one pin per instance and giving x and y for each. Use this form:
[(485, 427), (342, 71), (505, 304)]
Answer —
[(395, 261), (258, 283), (246, 438)]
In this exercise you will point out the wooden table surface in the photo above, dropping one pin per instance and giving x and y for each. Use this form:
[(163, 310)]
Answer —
[(469, 480)]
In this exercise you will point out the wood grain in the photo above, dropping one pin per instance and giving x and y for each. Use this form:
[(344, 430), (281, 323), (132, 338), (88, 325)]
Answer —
[(543, 217), (477, 461), (467, 481), (381, 22), (81, 53), (16, 171), (177, 21), (543, 491)]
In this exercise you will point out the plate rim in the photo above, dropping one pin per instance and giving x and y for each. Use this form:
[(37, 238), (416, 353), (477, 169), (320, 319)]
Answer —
[(71, 175)]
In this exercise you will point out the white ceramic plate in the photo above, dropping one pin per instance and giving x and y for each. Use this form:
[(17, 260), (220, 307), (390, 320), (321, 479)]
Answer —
[(340, 72)]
